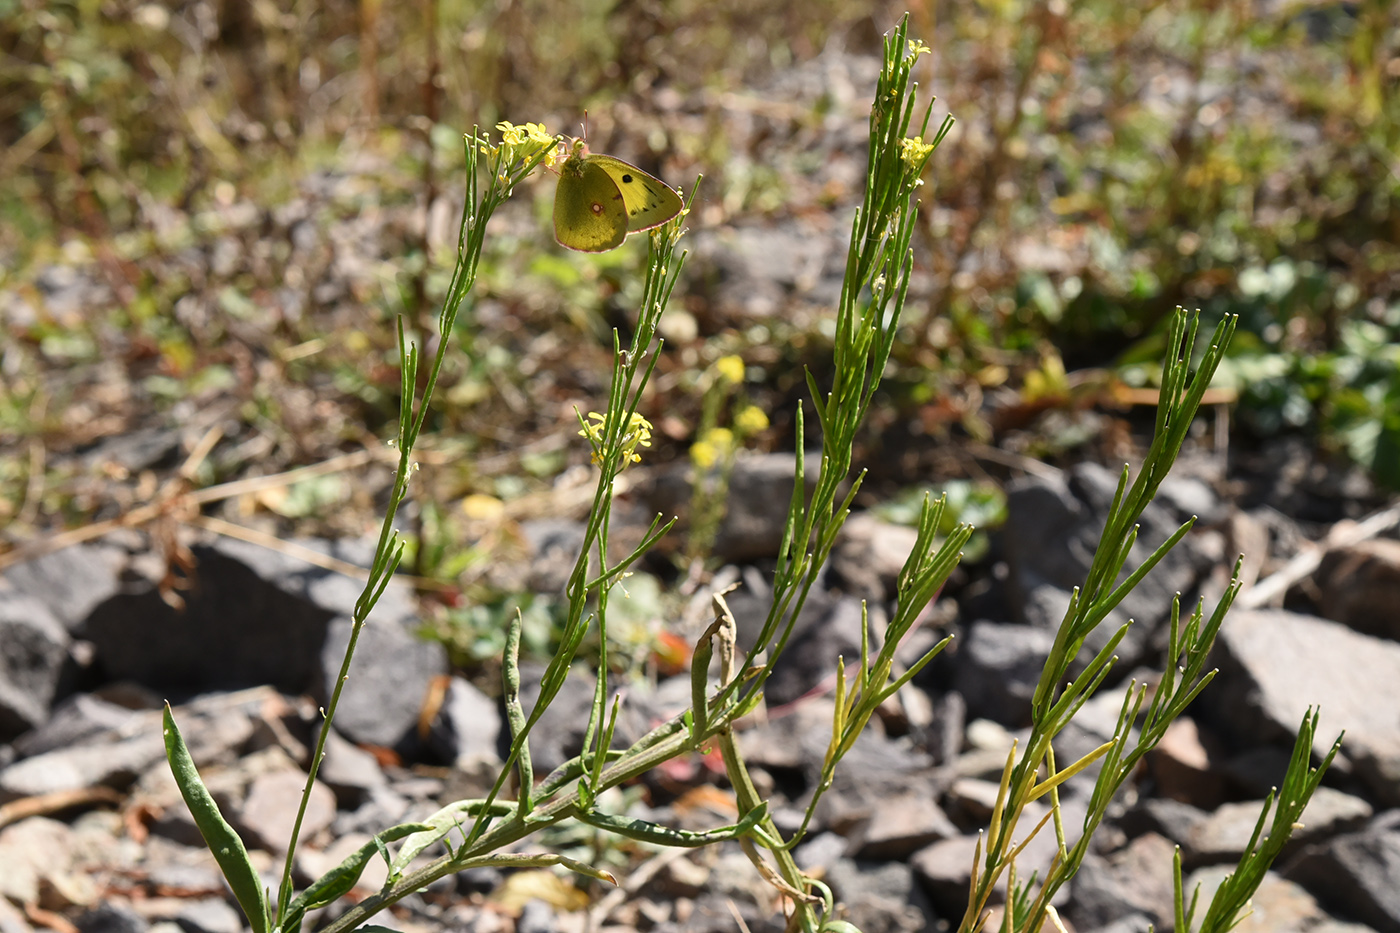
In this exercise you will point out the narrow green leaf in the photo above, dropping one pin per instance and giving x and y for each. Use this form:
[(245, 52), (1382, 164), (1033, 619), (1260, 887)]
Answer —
[(218, 835)]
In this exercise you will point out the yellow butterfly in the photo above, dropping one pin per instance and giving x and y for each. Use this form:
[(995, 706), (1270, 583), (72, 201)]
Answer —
[(601, 199)]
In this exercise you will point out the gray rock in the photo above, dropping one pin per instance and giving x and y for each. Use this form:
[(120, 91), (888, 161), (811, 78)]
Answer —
[(1184, 768), (998, 668), (389, 677), (36, 649), (558, 735), (1134, 880), (266, 815), (645, 707), (1376, 758), (136, 450), (794, 741), (73, 580), (236, 630), (1357, 876), (757, 500), (1360, 586), (868, 556), (1188, 496), (825, 630), (1169, 818), (943, 739), (945, 871), (78, 719), (468, 727), (880, 897), (1256, 771), (1053, 528), (382, 807), (1223, 835), (208, 915), (898, 821), (257, 616), (554, 545), (1274, 665), (536, 917), (33, 851), (1278, 906), (114, 764), (1132, 923), (112, 917), (1044, 606), (348, 770), (819, 852)]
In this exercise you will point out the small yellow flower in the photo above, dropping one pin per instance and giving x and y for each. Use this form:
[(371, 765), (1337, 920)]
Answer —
[(638, 434), (511, 134), (914, 151), (917, 48), (750, 420), (730, 368)]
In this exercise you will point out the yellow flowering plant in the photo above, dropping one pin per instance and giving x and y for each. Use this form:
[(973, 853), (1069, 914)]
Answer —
[(487, 831)]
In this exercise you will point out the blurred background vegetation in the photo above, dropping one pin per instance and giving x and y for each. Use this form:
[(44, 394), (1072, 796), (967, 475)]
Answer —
[(213, 211)]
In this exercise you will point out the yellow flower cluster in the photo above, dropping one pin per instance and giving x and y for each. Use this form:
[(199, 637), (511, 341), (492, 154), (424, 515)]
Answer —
[(638, 435), (716, 443), (730, 368), (528, 137), (913, 151), (750, 420)]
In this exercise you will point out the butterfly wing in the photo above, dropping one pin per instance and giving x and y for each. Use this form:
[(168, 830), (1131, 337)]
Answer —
[(650, 201), (590, 213)]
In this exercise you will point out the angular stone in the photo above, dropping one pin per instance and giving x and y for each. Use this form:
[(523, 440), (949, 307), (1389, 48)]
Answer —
[(1355, 875), (349, 770), (78, 719), (1278, 906), (36, 649), (1136, 879), (1275, 665), (1053, 527), (208, 915), (880, 897), (827, 628), (899, 823), (998, 668), (1183, 768), (113, 764), (945, 870), (1169, 818), (869, 554), (112, 917), (1360, 586), (270, 809), (468, 727), (31, 851), (72, 580), (256, 616), (389, 678)]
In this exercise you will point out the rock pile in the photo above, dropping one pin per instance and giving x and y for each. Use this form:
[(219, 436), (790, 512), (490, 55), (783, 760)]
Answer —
[(95, 837)]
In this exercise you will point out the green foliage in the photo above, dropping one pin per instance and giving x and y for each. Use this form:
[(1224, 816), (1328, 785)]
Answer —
[(979, 504)]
